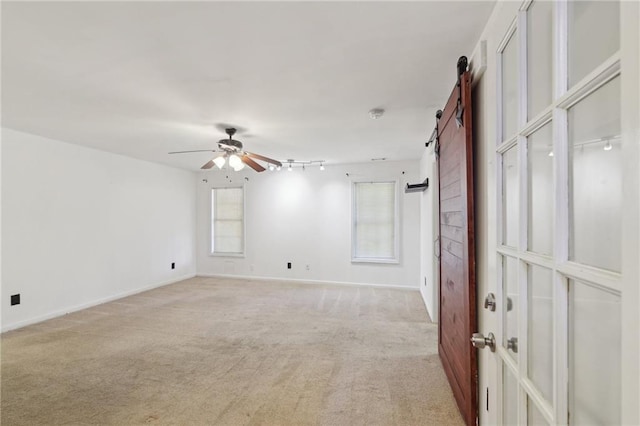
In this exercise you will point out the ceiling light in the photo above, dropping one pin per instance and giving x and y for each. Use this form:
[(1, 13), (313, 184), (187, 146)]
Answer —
[(219, 161), (550, 153), (608, 146), (321, 166), (236, 163), (278, 168), (271, 167), (376, 113), (290, 168)]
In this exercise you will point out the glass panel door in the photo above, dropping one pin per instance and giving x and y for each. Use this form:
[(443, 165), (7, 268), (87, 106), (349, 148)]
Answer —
[(594, 342), (510, 197), (540, 190), (595, 180), (593, 35), (510, 88), (540, 356), (559, 210), (539, 57)]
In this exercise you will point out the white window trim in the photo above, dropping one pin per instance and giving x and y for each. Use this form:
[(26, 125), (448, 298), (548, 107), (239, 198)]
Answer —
[(213, 253), (396, 242)]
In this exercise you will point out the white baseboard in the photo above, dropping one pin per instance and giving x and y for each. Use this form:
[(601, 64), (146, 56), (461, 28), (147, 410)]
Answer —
[(303, 281), (82, 306), (426, 306)]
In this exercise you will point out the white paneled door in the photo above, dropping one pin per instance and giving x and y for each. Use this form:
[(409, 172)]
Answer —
[(561, 177)]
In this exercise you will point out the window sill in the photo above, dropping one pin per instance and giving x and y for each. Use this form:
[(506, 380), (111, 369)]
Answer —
[(375, 260), (237, 255)]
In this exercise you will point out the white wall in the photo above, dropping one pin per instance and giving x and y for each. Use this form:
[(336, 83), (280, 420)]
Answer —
[(1, 297), (304, 217), (83, 226), (429, 287)]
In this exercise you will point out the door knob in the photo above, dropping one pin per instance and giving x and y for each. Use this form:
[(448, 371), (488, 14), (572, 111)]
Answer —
[(513, 344), (490, 302), (479, 341)]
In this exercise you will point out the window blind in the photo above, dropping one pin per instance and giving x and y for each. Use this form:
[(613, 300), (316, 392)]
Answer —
[(375, 221), (227, 207)]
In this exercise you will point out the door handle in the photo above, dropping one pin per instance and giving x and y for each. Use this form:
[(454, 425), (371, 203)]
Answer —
[(513, 344), (479, 341)]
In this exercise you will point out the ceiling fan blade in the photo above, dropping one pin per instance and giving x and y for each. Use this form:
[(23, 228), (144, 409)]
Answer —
[(209, 164), (249, 162), (197, 150), (263, 158)]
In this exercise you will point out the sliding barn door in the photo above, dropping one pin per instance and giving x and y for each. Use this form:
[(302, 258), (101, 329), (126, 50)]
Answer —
[(457, 261)]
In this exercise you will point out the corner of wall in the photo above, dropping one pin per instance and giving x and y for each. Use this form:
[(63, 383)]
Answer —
[(428, 233)]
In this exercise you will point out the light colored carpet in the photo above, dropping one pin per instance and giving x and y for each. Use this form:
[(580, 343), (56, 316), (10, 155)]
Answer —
[(232, 352)]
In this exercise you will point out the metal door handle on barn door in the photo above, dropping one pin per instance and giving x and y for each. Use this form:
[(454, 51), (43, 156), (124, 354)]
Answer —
[(479, 341)]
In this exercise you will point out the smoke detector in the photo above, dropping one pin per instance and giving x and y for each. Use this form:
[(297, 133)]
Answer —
[(376, 113)]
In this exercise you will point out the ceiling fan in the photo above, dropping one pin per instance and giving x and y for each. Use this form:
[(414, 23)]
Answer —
[(231, 151)]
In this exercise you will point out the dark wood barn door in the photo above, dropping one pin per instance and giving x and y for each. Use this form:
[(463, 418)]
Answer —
[(457, 319)]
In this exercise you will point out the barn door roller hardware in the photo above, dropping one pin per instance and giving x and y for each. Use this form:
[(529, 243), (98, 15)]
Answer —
[(462, 67), (416, 187), (434, 134)]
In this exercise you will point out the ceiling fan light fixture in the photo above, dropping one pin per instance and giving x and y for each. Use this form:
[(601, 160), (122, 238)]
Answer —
[(231, 149), (321, 166), (290, 168), (235, 162), (271, 167), (219, 161)]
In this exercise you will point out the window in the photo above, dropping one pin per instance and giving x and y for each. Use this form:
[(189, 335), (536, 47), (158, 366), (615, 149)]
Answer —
[(375, 222), (227, 221)]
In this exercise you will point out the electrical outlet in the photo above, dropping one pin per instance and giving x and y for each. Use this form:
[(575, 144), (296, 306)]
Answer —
[(15, 299), (289, 265), (308, 268), (173, 265)]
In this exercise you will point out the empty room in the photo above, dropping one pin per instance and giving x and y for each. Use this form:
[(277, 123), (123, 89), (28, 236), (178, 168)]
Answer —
[(320, 213)]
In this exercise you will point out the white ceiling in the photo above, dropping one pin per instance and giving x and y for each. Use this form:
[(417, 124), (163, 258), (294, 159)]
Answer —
[(145, 78)]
